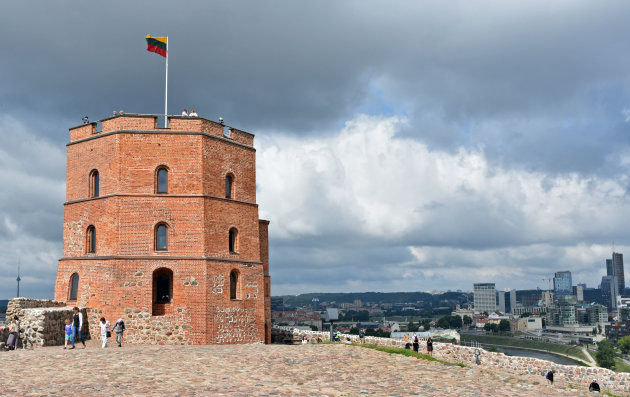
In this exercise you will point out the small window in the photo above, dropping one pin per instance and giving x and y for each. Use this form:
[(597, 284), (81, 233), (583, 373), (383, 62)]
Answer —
[(162, 180), (233, 284), (94, 183), (74, 287), (161, 238), (233, 240), (228, 186), (91, 239)]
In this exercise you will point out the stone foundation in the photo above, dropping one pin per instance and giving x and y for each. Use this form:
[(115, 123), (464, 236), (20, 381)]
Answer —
[(581, 377)]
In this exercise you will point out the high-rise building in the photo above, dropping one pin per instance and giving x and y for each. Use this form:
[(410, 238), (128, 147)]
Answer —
[(616, 268), (562, 284), (485, 297), (578, 291), (507, 300), (609, 291)]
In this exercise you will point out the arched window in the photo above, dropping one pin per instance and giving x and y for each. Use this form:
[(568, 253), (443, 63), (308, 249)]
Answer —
[(94, 183), (91, 240), (74, 287), (229, 180), (161, 180), (233, 240), (162, 285), (233, 284), (161, 243)]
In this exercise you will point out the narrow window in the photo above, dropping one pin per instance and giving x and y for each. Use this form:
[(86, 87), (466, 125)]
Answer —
[(233, 240), (160, 238), (233, 284), (91, 240), (228, 186), (162, 285), (162, 180), (94, 183), (74, 287)]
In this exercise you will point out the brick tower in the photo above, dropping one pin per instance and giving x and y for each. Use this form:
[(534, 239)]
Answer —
[(161, 229)]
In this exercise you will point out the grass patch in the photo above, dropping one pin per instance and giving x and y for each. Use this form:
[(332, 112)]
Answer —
[(408, 353), (621, 366)]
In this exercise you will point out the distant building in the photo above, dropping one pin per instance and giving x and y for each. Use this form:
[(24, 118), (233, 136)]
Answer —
[(597, 314), (547, 298), (614, 267), (485, 297), (507, 301), (578, 291), (617, 330), (609, 291), (563, 312), (562, 284), (315, 304)]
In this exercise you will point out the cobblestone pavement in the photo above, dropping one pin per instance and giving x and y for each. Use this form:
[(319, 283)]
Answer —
[(252, 370)]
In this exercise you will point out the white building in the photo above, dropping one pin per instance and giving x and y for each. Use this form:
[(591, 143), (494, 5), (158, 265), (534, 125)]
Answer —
[(485, 297)]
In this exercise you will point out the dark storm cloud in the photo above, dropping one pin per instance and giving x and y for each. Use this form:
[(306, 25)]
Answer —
[(533, 91)]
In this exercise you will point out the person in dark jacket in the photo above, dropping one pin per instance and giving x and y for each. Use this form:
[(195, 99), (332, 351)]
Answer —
[(119, 328), (77, 326), (550, 376), (594, 386)]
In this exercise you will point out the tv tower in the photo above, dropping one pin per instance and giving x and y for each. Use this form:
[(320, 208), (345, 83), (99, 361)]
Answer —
[(18, 279)]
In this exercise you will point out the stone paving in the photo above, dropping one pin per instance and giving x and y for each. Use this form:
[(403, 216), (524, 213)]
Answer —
[(251, 370)]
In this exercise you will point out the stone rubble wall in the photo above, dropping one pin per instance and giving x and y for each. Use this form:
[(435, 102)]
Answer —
[(579, 376), (41, 322)]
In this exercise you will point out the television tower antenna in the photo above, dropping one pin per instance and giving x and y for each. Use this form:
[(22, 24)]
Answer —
[(18, 279)]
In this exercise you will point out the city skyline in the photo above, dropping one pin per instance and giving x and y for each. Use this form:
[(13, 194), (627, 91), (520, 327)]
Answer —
[(486, 142)]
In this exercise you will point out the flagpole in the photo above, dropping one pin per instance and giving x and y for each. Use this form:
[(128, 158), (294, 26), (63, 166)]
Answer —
[(166, 89)]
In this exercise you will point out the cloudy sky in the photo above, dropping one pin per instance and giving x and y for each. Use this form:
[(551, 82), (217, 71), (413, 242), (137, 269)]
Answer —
[(401, 146)]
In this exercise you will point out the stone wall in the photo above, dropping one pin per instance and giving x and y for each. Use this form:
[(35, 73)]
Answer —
[(41, 321), (579, 376)]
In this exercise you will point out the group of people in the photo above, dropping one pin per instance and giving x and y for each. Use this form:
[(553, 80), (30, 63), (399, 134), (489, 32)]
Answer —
[(415, 342), (593, 387), (191, 114), (73, 330)]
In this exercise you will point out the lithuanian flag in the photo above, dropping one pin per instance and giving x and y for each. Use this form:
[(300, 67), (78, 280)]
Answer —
[(157, 44)]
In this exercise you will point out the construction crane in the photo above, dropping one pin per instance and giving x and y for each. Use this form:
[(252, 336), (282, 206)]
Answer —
[(548, 279)]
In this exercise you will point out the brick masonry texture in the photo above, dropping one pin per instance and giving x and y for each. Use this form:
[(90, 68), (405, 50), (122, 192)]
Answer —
[(118, 279)]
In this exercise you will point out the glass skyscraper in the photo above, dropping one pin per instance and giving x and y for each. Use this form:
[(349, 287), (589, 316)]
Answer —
[(562, 284), (614, 267)]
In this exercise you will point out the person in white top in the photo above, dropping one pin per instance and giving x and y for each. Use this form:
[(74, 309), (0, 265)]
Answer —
[(104, 330), (185, 112), (193, 113)]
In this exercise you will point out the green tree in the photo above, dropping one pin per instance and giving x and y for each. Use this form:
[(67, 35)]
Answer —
[(605, 354), (594, 330), (525, 315), (444, 322), (544, 323), (599, 328), (491, 327), (624, 344), (426, 324), (411, 327), (455, 322), (504, 326), (354, 331), (467, 320)]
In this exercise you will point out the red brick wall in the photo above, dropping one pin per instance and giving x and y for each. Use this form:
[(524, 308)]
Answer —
[(117, 280)]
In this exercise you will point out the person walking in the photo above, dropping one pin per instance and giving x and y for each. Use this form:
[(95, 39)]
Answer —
[(14, 329), (105, 333), (416, 343), (430, 346), (362, 337), (77, 327), (69, 335), (119, 328), (550, 376)]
